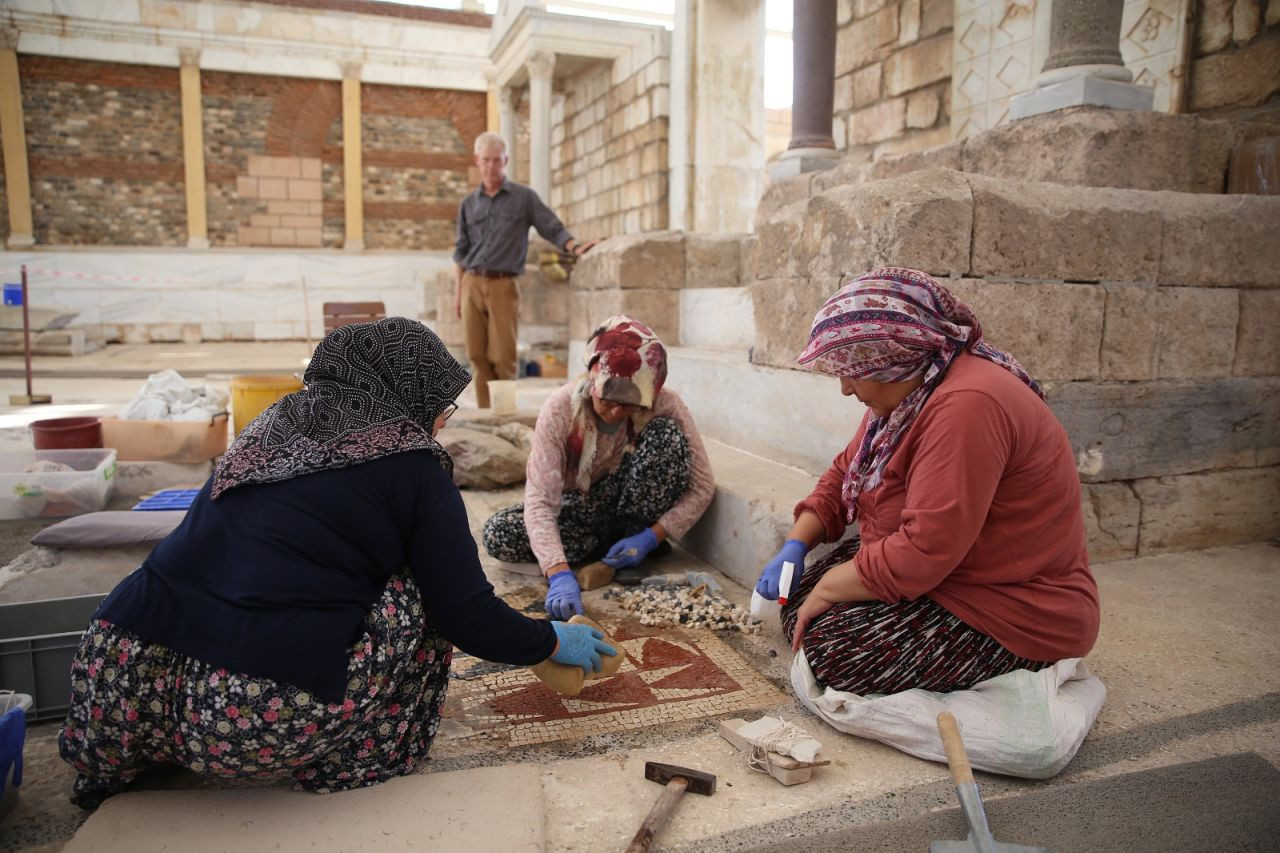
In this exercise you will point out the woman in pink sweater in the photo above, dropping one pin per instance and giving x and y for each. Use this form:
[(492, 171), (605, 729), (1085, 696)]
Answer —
[(616, 467), (971, 560)]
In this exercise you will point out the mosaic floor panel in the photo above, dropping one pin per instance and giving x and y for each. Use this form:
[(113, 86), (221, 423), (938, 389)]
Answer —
[(669, 675)]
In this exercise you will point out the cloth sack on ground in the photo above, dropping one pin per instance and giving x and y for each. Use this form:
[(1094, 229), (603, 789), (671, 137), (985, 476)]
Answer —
[(1023, 723), (166, 396)]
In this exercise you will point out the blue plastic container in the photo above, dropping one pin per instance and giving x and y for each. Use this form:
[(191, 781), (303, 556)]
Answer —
[(12, 294), (13, 735), (168, 499)]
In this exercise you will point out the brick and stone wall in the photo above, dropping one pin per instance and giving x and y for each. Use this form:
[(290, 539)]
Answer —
[(1235, 69), (893, 76), (609, 145), (104, 148), (417, 163)]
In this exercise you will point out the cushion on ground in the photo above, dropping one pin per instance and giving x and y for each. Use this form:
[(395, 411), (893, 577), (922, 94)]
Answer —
[(110, 529)]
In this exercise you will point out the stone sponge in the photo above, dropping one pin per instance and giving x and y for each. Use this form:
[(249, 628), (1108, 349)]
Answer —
[(568, 680)]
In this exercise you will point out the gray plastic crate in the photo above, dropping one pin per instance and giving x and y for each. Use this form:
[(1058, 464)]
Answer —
[(38, 641)]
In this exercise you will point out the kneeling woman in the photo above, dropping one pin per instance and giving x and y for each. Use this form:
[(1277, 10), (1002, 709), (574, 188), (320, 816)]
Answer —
[(617, 466), (300, 620), (972, 560)]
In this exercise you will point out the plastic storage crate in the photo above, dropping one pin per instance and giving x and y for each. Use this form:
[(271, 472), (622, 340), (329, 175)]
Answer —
[(52, 494), (168, 499), (38, 641)]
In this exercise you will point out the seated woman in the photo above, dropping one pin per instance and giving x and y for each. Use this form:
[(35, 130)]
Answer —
[(300, 620), (617, 466), (972, 558)]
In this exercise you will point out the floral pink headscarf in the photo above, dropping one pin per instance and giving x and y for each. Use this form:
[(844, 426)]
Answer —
[(892, 325), (631, 369)]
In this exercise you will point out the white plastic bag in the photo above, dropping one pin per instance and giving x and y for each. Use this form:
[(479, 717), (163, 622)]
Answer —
[(1023, 723)]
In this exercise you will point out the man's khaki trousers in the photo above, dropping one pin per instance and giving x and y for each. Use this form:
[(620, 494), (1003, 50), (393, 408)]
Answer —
[(490, 309)]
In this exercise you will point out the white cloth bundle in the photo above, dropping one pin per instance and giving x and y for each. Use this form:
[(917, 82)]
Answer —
[(166, 396)]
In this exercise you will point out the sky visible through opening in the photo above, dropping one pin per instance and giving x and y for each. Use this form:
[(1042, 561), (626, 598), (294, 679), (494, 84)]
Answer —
[(777, 45)]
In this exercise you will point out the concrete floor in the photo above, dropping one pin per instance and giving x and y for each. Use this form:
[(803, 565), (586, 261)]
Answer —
[(1183, 754)]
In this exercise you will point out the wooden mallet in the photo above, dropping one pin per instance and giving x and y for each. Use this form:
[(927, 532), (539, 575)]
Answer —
[(677, 780)]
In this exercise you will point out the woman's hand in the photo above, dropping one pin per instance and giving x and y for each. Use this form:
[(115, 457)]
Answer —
[(811, 608), (580, 645), (792, 552), (564, 596), (631, 550)]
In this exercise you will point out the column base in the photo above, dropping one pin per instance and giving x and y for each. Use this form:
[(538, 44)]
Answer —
[(20, 241), (1078, 91), (797, 161), (197, 242), (353, 246)]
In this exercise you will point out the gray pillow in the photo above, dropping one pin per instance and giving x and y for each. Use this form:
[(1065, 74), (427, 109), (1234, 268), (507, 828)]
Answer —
[(110, 529)]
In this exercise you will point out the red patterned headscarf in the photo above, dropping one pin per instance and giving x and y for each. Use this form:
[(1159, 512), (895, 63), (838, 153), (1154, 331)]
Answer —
[(630, 368), (892, 325)]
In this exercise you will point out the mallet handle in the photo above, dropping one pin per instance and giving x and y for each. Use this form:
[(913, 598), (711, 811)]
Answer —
[(957, 760), (657, 817)]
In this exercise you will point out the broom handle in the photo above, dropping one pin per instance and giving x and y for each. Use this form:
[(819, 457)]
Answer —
[(957, 760)]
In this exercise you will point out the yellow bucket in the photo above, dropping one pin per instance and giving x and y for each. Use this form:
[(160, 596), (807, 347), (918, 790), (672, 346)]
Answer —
[(251, 394)]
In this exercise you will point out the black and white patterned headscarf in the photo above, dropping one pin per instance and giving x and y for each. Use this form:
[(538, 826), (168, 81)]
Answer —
[(372, 390)]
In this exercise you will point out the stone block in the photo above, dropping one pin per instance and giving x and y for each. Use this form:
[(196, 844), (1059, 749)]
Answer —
[(922, 220), (482, 460), (273, 188), (866, 40), (1220, 241), (1257, 342), (246, 187), (192, 333), (866, 84), (1108, 148), (853, 169), (931, 149), (1239, 78), (1129, 333), (842, 99), (877, 123), (1213, 27), (777, 240), (1112, 514), (658, 309), (936, 16), (784, 309), (1246, 20), (908, 21), (1040, 230), (1208, 510), (542, 302), (1055, 330), (1196, 332), (164, 333), (274, 167), (922, 108), (652, 260), (1125, 431), (925, 62), (712, 260), (862, 8)]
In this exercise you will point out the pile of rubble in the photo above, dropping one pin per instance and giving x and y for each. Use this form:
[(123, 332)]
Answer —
[(672, 600)]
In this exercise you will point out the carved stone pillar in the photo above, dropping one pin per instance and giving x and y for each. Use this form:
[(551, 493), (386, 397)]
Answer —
[(813, 62), (540, 66), (17, 180), (508, 123), (193, 149), (1084, 65)]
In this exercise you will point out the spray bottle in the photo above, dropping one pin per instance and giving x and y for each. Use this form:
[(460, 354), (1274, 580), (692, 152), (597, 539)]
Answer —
[(761, 606)]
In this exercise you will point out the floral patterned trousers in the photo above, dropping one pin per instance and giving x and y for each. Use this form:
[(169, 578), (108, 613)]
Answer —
[(136, 703), (647, 483)]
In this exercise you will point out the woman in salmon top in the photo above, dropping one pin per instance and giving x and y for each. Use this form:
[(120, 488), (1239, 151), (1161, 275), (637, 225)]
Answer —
[(971, 560)]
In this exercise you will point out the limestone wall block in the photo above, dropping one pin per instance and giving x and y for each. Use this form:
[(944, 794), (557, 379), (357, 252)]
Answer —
[(1041, 230), (1196, 332), (1257, 341), (842, 100), (1213, 26), (866, 40), (877, 123), (909, 22), (659, 309), (784, 309), (1129, 333), (1054, 330), (1238, 78), (925, 62), (1220, 241), (936, 16), (1112, 514), (866, 84), (922, 220), (633, 261), (946, 156), (1126, 431), (922, 108), (1208, 510), (777, 239), (712, 260), (543, 302), (853, 169)]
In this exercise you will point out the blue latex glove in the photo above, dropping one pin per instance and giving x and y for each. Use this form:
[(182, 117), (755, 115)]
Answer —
[(564, 596), (580, 645), (630, 551), (792, 552)]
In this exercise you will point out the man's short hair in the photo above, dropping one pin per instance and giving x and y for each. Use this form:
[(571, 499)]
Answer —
[(488, 140)]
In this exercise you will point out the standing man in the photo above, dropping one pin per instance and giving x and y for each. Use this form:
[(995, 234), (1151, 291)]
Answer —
[(493, 239)]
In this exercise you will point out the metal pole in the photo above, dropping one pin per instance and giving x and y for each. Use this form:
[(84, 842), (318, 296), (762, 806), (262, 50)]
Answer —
[(26, 329)]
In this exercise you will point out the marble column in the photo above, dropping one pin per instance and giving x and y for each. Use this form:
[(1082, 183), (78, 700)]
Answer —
[(540, 66), (813, 63), (1084, 66), (17, 180), (193, 173), (352, 159), (508, 123)]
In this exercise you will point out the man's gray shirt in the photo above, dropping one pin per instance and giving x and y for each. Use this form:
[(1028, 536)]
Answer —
[(493, 232)]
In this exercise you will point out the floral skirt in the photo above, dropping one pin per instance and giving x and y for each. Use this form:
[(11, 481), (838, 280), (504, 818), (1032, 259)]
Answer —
[(867, 647), (136, 703), (647, 483)]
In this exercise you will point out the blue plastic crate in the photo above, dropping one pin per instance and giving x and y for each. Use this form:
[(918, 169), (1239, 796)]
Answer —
[(168, 499)]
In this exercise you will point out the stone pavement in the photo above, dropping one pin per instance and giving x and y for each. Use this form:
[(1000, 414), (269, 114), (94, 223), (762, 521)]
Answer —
[(1189, 652)]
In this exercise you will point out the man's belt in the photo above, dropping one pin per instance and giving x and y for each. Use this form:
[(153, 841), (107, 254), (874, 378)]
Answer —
[(491, 273)]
